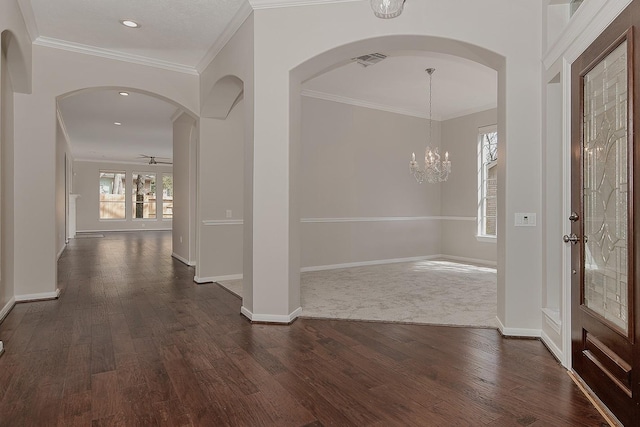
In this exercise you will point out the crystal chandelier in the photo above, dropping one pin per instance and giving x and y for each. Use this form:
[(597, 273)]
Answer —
[(387, 9), (435, 169)]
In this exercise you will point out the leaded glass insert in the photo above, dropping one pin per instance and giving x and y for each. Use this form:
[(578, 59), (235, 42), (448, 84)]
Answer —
[(605, 188)]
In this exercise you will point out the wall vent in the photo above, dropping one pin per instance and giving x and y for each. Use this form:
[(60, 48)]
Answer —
[(369, 59)]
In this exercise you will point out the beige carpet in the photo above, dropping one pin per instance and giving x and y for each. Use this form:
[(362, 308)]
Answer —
[(433, 292)]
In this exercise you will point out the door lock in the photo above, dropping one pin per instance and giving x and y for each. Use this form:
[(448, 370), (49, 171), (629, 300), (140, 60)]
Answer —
[(571, 238), (574, 217)]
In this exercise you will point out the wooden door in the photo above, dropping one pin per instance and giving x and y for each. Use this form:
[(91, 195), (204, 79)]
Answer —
[(605, 262)]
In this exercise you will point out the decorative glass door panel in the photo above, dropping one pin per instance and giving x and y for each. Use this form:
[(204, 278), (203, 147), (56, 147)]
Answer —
[(605, 189)]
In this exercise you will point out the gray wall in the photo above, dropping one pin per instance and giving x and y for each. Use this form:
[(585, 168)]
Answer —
[(6, 189), (184, 169), (460, 192), (85, 183), (358, 201)]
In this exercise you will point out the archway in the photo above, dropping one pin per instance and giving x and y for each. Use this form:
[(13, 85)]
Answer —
[(129, 136), (398, 43), (360, 209)]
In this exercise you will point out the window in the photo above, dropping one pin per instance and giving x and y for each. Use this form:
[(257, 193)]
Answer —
[(167, 196), (112, 195), (144, 195), (487, 182)]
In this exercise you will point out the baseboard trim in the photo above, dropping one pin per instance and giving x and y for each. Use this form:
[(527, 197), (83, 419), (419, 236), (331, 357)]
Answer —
[(183, 260), (38, 297), (271, 318), (366, 263), (7, 308), (1, 348), (217, 278), (553, 348), (517, 332), (61, 251)]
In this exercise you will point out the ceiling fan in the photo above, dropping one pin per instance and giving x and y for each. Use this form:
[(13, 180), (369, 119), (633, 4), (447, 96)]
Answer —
[(153, 161)]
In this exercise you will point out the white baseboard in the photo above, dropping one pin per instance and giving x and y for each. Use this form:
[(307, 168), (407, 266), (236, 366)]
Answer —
[(365, 263), (553, 348), (271, 318), (517, 332), (7, 308), (217, 278), (552, 318), (183, 260), (61, 251), (38, 297), (1, 348)]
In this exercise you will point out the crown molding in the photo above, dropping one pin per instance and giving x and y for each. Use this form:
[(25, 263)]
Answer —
[(366, 104), (236, 22), (29, 19), (112, 54), (121, 162), (591, 18), (470, 111), (272, 4)]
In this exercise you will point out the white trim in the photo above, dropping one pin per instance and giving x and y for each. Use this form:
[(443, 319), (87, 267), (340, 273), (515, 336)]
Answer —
[(7, 308), (271, 318), (591, 18), (211, 279), (211, 222), (553, 348), (365, 104), (487, 239), (517, 332), (1, 348), (119, 230), (310, 93), (183, 260), (271, 4), (365, 263), (552, 318), (61, 251), (229, 31), (179, 112), (38, 297), (566, 209), (488, 263), (125, 162), (112, 54), (387, 218)]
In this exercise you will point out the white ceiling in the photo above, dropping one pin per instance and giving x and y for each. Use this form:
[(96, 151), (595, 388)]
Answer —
[(184, 34)]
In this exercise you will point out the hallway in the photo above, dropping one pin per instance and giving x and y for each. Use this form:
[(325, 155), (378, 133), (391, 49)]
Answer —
[(134, 341)]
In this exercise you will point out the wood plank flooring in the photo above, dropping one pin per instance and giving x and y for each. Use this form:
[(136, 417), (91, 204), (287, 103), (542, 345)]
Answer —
[(133, 341)]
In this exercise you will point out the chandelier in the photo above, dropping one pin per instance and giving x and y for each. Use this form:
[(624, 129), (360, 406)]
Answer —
[(387, 9), (435, 169)]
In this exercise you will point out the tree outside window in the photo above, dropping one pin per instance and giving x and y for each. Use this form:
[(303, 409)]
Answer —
[(488, 181), (144, 195), (112, 194), (167, 196)]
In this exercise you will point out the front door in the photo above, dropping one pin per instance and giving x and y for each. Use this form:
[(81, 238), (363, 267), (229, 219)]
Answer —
[(605, 255)]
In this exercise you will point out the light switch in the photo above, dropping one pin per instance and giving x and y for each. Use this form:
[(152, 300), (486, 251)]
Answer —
[(525, 219)]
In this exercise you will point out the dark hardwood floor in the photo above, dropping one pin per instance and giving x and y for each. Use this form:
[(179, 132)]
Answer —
[(133, 341)]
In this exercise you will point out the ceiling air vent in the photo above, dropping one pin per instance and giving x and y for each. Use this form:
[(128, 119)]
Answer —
[(369, 59)]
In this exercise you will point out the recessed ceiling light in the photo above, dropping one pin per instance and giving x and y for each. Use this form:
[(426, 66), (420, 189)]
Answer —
[(129, 23), (117, 123), (124, 93)]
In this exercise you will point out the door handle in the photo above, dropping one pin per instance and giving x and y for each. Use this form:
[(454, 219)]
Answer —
[(573, 238), (574, 217)]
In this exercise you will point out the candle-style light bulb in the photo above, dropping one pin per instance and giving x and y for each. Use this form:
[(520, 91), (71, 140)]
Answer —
[(446, 155), (413, 157)]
